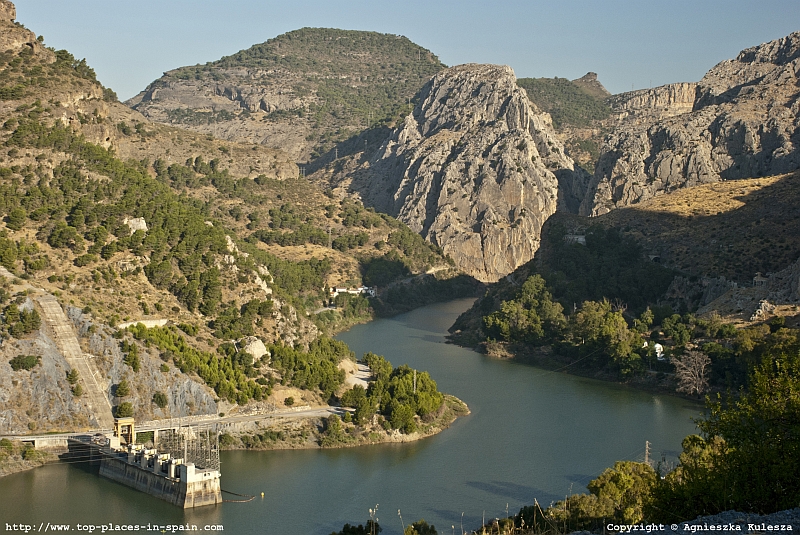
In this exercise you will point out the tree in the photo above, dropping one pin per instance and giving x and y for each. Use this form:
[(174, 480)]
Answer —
[(420, 527), (123, 389), (371, 528), (160, 399), (24, 362), (620, 494), (124, 410), (692, 372), (72, 376), (748, 458), (16, 218)]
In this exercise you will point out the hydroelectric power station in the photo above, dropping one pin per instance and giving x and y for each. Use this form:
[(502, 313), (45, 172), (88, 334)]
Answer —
[(181, 468)]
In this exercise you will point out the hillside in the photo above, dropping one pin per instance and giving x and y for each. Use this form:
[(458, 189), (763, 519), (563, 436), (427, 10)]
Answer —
[(579, 110), (301, 91), (124, 220)]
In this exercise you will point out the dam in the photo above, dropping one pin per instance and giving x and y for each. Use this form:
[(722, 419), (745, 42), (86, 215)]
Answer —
[(181, 468)]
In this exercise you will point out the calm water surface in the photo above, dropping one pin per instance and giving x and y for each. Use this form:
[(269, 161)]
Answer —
[(531, 434)]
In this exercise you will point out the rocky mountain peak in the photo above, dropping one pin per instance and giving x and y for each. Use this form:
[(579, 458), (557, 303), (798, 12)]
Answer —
[(475, 168), (743, 123), (8, 11), (591, 85)]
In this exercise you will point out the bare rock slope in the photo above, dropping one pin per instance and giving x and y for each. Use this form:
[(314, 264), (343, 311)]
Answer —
[(743, 122), (475, 169)]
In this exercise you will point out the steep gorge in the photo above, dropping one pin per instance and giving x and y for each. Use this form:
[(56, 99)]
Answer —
[(475, 168)]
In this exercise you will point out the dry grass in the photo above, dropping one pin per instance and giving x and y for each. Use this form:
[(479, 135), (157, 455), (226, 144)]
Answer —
[(733, 229)]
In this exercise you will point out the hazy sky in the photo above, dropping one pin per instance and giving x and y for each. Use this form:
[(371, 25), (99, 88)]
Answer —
[(629, 43)]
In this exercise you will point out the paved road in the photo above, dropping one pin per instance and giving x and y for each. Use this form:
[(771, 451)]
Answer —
[(318, 412)]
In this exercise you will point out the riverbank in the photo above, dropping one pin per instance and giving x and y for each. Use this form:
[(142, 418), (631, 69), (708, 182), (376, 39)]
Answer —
[(277, 433), (17, 457), (544, 357)]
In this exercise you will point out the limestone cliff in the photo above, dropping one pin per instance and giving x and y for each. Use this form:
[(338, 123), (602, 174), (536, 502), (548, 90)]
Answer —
[(743, 122), (475, 169)]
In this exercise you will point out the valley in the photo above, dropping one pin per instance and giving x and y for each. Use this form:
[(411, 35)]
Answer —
[(203, 251)]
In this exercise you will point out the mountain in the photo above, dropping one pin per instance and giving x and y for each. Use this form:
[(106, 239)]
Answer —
[(475, 168), (300, 92), (110, 219), (739, 121), (580, 111)]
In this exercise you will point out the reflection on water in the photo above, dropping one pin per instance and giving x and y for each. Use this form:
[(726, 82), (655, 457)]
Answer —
[(531, 434)]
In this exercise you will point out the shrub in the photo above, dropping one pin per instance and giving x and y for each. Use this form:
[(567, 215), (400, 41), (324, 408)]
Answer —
[(24, 362), (123, 389), (160, 399), (124, 410)]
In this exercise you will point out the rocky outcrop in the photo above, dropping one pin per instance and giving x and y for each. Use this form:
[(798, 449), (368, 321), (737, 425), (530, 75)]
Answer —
[(654, 104), (475, 168), (15, 37), (743, 122), (8, 12), (591, 85)]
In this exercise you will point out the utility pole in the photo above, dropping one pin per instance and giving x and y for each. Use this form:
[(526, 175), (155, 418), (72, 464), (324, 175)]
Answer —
[(415, 381), (336, 152), (647, 452)]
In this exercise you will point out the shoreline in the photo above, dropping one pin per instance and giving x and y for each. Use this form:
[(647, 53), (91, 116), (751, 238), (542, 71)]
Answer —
[(286, 432), (307, 433), (545, 359)]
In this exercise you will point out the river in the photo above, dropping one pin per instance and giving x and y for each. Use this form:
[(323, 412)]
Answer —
[(532, 434)]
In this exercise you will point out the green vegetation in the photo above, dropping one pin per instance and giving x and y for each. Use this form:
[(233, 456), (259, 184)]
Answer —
[(124, 410), (230, 374), (565, 101), (747, 458), (73, 376), (24, 362), (349, 80), (371, 528), (24, 74), (18, 322), (618, 495), (123, 389), (610, 266), (334, 435), (316, 369), (160, 399), (397, 394)]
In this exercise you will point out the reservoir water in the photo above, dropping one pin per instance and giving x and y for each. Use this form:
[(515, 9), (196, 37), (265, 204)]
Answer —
[(532, 434)]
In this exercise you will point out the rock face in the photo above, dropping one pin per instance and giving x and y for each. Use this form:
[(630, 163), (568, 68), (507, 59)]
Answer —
[(590, 84), (475, 169), (654, 104), (15, 37), (8, 11), (743, 122)]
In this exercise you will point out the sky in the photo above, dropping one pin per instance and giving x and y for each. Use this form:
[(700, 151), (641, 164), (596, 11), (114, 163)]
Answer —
[(630, 44)]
